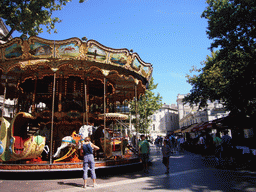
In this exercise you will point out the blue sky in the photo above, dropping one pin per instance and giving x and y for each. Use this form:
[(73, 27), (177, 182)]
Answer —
[(169, 34)]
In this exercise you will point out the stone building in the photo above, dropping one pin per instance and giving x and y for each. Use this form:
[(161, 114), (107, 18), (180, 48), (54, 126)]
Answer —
[(8, 109), (193, 115), (164, 120), (3, 31)]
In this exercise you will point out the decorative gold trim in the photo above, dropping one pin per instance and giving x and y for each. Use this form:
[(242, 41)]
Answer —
[(75, 52)]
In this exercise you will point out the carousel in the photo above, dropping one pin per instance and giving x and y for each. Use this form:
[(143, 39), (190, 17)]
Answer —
[(64, 91)]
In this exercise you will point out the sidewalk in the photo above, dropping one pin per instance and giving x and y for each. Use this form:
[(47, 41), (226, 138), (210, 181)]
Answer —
[(138, 181), (188, 172)]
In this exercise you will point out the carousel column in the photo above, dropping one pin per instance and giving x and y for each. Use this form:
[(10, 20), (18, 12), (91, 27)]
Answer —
[(136, 118), (104, 105), (52, 123), (34, 95), (18, 96), (105, 73), (16, 101), (60, 94), (85, 115), (125, 128)]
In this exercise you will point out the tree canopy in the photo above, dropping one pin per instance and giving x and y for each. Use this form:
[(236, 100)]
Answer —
[(146, 106), (228, 75), (28, 17)]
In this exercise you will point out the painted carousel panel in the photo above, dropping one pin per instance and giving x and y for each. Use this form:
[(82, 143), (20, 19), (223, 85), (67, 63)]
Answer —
[(69, 50), (146, 71), (96, 54), (119, 58), (136, 64), (13, 51), (40, 50)]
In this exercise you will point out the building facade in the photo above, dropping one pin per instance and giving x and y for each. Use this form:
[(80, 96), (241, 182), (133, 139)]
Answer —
[(3, 31), (8, 110), (189, 115), (164, 120)]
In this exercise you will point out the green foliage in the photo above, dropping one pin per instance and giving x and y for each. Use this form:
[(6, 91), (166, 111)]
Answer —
[(208, 84), (228, 74), (231, 24), (27, 17), (146, 106)]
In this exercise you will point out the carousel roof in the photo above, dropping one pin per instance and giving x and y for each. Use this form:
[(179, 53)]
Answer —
[(36, 58)]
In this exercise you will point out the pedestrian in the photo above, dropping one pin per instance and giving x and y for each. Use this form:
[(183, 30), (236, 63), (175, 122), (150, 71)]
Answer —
[(209, 147), (226, 147), (87, 152), (172, 142), (157, 144), (166, 151), (201, 143), (160, 141), (144, 150), (217, 144), (182, 142)]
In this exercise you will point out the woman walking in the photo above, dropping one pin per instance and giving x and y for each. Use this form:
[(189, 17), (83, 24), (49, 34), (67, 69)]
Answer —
[(87, 153)]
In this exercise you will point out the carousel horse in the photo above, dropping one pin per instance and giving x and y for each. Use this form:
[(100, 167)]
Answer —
[(74, 140)]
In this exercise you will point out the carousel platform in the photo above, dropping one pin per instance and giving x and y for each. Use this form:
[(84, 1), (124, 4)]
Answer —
[(65, 166)]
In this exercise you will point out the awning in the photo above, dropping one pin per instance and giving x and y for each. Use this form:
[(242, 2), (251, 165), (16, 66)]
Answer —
[(189, 129), (203, 126), (178, 131)]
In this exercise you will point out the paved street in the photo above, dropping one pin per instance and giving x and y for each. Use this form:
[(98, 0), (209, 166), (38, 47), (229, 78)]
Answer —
[(188, 172)]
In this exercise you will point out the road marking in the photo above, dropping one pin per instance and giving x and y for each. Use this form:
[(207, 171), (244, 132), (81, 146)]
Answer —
[(125, 182)]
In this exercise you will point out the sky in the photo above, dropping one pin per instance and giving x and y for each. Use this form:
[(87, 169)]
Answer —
[(169, 34)]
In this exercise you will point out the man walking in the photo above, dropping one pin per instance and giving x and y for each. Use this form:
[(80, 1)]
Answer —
[(144, 152), (226, 147)]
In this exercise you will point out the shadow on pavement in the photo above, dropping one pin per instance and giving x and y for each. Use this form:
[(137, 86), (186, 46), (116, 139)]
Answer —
[(104, 173), (203, 180)]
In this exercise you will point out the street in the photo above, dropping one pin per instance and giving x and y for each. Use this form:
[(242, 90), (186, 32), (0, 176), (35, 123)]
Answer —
[(188, 172)]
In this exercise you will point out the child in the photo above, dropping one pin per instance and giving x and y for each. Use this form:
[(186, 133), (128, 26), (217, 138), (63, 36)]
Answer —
[(166, 151)]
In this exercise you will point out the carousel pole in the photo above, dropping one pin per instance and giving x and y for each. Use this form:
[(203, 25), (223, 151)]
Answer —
[(60, 94), (85, 116), (5, 85), (136, 118), (18, 96), (34, 96), (104, 98), (53, 99)]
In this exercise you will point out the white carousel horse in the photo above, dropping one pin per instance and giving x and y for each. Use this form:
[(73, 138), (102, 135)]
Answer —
[(68, 140)]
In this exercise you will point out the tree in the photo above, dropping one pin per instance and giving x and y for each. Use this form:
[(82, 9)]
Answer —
[(228, 74), (146, 106), (27, 17), (208, 84)]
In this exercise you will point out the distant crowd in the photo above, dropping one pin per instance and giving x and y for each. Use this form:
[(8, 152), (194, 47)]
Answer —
[(223, 148), (176, 143)]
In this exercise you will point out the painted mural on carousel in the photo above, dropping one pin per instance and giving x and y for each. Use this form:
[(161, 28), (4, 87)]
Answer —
[(33, 50)]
